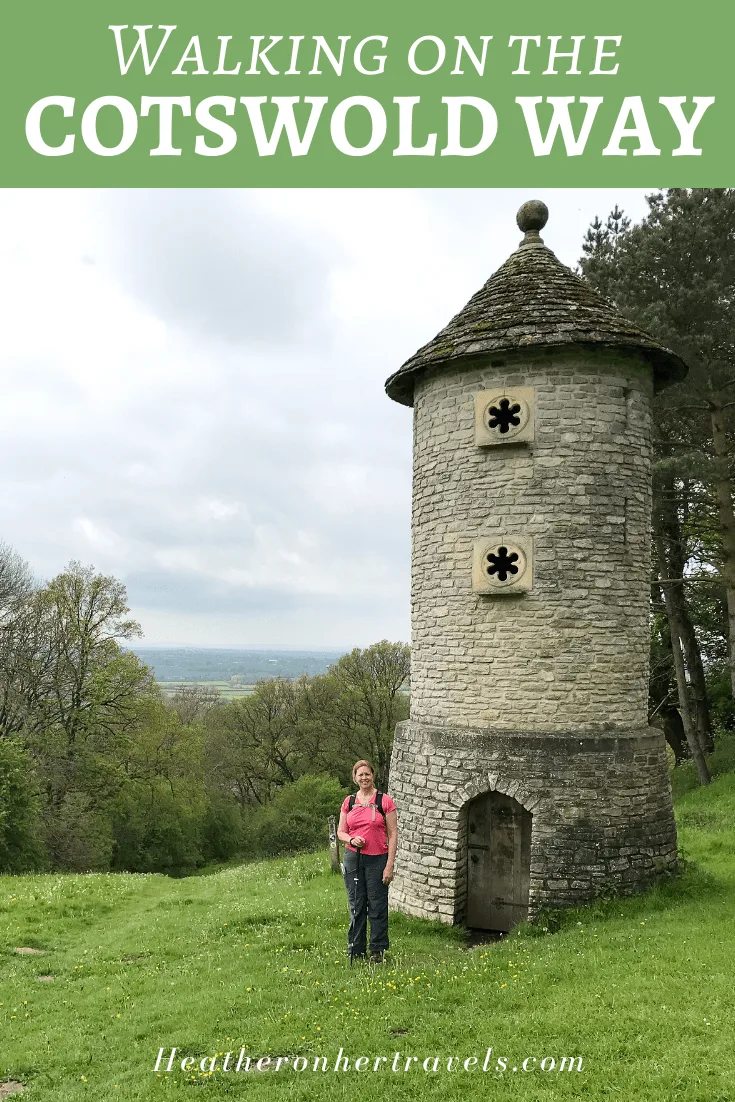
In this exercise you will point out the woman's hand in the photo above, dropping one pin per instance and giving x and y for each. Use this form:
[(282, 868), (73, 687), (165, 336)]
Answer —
[(357, 841), (387, 874)]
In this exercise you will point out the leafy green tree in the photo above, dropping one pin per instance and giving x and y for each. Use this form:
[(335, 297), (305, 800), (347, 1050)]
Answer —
[(16, 582), (159, 745), (25, 648), (222, 828), (160, 812), (260, 742), (675, 274), (296, 817), (258, 745), (21, 847), (158, 826), (95, 685), (193, 702), (370, 699), (88, 703), (78, 832), (26, 662)]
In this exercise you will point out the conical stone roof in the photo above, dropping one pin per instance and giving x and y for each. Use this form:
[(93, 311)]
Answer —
[(533, 301)]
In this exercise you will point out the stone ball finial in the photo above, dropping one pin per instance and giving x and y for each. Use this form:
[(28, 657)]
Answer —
[(532, 216)]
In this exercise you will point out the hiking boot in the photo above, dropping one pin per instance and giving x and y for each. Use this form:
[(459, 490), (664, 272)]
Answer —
[(377, 957)]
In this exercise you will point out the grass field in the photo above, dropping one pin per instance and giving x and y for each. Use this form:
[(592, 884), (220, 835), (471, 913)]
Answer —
[(226, 689), (253, 957)]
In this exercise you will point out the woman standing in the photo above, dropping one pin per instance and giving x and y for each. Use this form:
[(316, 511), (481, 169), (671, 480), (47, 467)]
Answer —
[(368, 827)]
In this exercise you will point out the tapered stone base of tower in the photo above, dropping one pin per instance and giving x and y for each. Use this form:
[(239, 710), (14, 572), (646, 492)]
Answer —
[(598, 813)]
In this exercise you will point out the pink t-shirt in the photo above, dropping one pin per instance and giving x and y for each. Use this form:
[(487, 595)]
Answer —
[(368, 823)]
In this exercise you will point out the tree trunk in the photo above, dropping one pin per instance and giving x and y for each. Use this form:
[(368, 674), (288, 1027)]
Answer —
[(665, 715), (723, 497), (673, 615), (693, 660), (673, 730), (676, 563)]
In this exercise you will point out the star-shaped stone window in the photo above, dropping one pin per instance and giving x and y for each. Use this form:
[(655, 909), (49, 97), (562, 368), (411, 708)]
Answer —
[(501, 563), (504, 416)]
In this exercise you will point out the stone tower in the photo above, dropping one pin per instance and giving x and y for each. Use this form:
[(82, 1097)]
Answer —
[(527, 775)]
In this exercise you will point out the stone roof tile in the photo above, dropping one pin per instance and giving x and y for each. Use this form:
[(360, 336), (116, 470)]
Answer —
[(533, 301)]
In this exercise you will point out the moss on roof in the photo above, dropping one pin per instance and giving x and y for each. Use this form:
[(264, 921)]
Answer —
[(533, 301)]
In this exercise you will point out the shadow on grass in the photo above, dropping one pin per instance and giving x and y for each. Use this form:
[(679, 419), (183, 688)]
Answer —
[(430, 932), (218, 866)]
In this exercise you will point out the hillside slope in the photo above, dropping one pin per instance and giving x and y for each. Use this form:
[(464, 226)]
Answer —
[(253, 957)]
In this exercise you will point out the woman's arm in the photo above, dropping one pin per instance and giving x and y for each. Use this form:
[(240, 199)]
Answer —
[(344, 835), (342, 832), (391, 826)]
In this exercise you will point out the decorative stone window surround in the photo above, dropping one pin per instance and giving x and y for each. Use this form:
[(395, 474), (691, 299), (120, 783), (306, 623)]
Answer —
[(515, 550), (505, 416)]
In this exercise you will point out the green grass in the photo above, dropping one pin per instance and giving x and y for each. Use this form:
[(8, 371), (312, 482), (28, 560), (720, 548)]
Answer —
[(254, 956), (720, 761)]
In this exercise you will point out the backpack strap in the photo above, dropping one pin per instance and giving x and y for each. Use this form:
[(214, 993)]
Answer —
[(378, 803)]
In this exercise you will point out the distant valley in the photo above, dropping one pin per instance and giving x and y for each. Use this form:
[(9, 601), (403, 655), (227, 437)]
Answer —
[(232, 671)]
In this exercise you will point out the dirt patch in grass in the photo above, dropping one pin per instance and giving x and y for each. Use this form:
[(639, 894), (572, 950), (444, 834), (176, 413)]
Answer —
[(10, 1086), (27, 949), (482, 937)]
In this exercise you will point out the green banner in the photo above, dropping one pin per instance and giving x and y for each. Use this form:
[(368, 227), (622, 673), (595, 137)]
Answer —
[(283, 94)]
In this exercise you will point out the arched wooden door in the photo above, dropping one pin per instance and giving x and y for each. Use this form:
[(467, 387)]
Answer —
[(498, 862)]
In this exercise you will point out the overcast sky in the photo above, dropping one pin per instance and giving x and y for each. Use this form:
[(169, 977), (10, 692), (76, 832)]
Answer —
[(193, 392)]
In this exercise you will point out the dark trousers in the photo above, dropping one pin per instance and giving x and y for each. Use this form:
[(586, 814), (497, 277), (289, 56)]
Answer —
[(368, 897)]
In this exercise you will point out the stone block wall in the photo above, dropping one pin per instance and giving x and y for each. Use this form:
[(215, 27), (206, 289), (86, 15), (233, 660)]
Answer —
[(572, 654), (601, 810)]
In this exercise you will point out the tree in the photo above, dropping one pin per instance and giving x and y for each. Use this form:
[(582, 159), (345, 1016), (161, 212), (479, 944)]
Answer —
[(21, 848), (673, 605), (675, 274), (253, 743), (674, 552), (159, 813), (24, 646), (296, 818), (192, 703), (92, 701), (16, 582), (662, 687), (95, 684), (258, 744), (26, 660), (601, 245), (370, 699)]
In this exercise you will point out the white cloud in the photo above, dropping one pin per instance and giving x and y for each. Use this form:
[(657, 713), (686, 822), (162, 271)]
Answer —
[(97, 539)]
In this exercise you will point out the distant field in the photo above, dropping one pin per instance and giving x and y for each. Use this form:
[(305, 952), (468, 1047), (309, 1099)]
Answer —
[(210, 665), (231, 671), (226, 688)]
